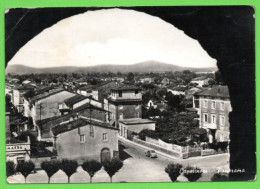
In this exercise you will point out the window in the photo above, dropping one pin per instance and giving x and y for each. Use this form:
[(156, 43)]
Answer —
[(221, 137), (222, 120), (91, 133), (82, 138), (205, 118), (205, 103), (120, 107), (213, 104), (121, 116), (222, 105), (136, 92), (104, 137), (120, 93), (137, 115), (20, 160), (213, 118), (137, 106)]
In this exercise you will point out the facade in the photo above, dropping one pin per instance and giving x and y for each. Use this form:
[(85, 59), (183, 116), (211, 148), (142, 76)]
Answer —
[(46, 105), (83, 139), (201, 81), (165, 81), (124, 103), (88, 91), (213, 106), (147, 80), (177, 90), (135, 125)]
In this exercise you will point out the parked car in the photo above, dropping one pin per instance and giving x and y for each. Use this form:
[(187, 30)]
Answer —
[(151, 154)]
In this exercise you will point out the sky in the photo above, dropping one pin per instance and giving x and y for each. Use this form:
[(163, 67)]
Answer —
[(112, 36)]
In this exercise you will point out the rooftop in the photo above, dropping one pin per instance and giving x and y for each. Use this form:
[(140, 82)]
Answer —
[(215, 91), (126, 88), (46, 94), (135, 121), (199, 78), (77, 123), (75, 99)]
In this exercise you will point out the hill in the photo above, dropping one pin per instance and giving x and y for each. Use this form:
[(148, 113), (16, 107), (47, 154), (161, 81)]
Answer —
[(148, 66)]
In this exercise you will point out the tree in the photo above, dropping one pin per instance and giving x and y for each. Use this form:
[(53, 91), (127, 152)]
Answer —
[(50, 167), (69, 167), (112, 166), (130, 77), (10, 168), (25, 168), (91, 167), (173, 170), (192, 173), (219, 177)]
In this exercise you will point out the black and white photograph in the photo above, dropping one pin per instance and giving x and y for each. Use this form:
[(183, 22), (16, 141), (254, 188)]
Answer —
[(130, 94)]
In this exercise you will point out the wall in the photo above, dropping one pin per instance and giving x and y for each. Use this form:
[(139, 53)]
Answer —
[(50, 105), (135, 128), (126, 95), (69, 146), (16, 97)]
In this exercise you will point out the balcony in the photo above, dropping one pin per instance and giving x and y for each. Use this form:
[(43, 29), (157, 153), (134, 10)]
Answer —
[(210, 125)]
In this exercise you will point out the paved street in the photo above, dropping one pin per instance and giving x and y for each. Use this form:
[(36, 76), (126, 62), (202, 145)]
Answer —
[(137, 168)]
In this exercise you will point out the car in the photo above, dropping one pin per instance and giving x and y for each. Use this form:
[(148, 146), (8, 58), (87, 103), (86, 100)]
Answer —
[(151, 154)]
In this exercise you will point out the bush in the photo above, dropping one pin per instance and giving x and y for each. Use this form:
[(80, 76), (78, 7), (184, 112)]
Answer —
[(148, 133), (25, 168), (219, 177), (112, 166), (192, 173), (10, 168), (173, 170), (91, 167)]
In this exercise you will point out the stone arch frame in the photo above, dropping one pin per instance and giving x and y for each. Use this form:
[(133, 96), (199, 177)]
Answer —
[(227, 33)]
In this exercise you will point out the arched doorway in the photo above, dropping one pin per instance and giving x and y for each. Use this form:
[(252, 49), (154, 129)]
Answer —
[(105, 154)]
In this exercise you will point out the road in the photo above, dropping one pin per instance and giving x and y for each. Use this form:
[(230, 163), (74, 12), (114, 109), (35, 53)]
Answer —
[(137, 168)]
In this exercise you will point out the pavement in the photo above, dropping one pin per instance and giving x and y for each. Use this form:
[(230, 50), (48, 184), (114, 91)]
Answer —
[(137, 168)]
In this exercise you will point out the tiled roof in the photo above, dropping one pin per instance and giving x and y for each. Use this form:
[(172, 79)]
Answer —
[(179, 88), (75, 99), (134, 121), (77, 123), (215, 91), (79, 86), (87, 87), (126, 87), (199, 78), (44, 95)]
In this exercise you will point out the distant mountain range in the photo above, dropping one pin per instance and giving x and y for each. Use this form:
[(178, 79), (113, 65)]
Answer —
[(148, 66)]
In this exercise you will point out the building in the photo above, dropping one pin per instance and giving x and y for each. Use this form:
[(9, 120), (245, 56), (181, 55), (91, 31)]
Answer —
[(83, 139), (177, 90), (124, 103), (213, 106), (191, 91), (88, 90), (46, 104), (200, 81), (134, 125), (147, 80), (165, 81), (105, 89)]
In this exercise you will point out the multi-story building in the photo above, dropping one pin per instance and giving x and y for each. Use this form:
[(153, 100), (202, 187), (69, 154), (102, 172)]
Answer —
[(213, 106), (125, 107), (124, 103)]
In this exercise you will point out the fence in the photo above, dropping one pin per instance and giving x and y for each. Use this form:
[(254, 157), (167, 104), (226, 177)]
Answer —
[(173, 149)]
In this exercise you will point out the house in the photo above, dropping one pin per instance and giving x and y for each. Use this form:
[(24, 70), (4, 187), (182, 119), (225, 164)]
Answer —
[(83, 139), (124, 103), (147, 80), (119, 79), (77, 101), (82, 81), (177, 90), (46, 104), (86, 110), (165, 81), (104, 89), (200, 81), (16, 150), (213, 107), (191, 91), (87, 90)]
